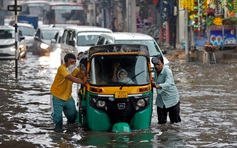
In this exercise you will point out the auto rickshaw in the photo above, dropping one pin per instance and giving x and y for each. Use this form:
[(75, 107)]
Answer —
[(117, 106)]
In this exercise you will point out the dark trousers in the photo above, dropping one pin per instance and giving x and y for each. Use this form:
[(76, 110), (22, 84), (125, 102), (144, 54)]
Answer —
[(174, 114)]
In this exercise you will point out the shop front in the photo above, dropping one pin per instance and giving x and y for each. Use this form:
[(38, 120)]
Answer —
[(212, 21)]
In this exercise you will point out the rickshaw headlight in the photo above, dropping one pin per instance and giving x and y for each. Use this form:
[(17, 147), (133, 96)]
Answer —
[(141, 103), (100, 104)]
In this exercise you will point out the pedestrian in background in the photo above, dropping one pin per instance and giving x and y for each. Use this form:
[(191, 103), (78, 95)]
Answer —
[(61, 90), (167, 100), (99, 20), (113, 28)]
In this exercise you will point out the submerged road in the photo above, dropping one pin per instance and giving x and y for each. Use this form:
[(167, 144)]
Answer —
[(208, 109)]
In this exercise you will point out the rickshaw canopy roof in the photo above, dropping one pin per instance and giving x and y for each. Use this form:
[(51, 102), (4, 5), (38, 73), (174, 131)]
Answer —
[(131, 48)]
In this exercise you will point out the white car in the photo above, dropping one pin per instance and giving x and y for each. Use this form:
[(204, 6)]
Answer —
[(7, 44), (28, 32), (133, 38), (55, 43), (78, 39), (42, 39)]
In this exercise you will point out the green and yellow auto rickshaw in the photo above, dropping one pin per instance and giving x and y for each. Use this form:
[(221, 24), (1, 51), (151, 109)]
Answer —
[(108, 103)]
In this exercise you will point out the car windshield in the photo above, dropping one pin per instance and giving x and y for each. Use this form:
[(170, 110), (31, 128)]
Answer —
[(48, 34), (87, 40), (152, 46), (102, 70), (65, 13), (27, 31), (7, 34)]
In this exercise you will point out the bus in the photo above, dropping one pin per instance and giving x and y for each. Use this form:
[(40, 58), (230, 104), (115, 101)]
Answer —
[(34, 8), (55, 12)]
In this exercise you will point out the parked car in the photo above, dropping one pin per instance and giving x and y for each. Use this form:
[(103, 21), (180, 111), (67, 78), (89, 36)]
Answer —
[(132, 38), (8, 21), (7, 44), (77, 39), (55, 43), (28, 32), (42, 39)]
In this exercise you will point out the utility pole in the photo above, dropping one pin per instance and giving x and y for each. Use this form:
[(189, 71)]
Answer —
[(131, 15), (16, 41), (186, 35), (2, 13), (15, 8)]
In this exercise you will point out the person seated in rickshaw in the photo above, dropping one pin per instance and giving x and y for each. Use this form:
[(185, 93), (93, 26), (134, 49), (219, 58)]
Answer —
[(121, 76)]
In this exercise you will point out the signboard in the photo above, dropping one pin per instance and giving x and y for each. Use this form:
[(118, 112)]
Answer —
[(229, 36), (200, 38), (216, 37), (14, 8), (67, 7)]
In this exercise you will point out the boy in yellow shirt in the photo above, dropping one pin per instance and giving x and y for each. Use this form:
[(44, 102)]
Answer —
[(61, 90)]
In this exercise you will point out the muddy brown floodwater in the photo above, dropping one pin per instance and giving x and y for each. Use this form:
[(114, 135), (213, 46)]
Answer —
[(208, 109)]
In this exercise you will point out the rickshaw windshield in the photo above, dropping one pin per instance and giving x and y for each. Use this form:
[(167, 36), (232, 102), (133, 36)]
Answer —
[(135, 67)]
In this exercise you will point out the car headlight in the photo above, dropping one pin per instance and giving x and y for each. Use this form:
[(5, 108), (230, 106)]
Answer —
[(44, 46), (21, 46), (13, 48), (100, 104), (141, 103)]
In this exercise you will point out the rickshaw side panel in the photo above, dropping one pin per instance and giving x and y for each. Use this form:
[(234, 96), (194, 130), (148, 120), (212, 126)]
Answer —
[(97, 120), (142, 119)]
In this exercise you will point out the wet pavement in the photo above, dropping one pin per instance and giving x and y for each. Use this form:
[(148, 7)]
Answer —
[(208, 109)]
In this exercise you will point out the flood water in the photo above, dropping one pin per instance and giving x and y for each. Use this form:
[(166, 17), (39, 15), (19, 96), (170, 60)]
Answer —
[(208, 109)]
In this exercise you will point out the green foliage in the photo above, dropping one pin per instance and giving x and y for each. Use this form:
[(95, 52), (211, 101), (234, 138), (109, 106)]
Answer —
[(210, 20), (230, 5)]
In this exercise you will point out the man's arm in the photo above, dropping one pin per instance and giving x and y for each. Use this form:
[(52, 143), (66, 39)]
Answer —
[(114, 78), (114, 75), (75, 79)]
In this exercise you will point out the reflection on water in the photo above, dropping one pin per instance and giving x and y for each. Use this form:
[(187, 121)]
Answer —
[(208, 109)]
